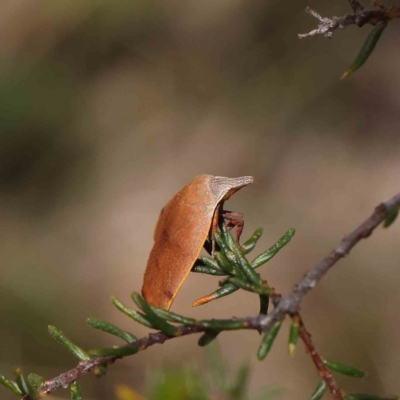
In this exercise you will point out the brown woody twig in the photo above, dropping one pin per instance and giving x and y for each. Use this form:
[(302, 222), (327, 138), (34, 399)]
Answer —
[(360, 17), (318, 361), (291, 303)]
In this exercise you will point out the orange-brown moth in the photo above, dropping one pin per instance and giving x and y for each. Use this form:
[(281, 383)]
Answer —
[(181, 231)]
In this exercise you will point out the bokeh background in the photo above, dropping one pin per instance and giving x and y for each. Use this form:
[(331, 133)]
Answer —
[(108, 108)]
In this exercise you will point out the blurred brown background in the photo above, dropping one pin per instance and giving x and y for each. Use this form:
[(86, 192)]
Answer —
[(108, 108)]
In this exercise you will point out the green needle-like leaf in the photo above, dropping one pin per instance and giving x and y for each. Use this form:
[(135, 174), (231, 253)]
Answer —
[(173, 317), (116, 352), (112, 329), (262, 290), (76, 393), (213, 324), (36, 380), (363, 396), (229, 288), (224, 290), (207, 265), (294, 334), (11, 385), (249, 245), (210, 262), (220, 239), (131, 313), (24, 385), (226, 237), (202, 269), (345, 369), (207, 337), (268, 340), (156, 321), (226, 243), (228, 266), (390, 218), (366, 49), (74, 349), (319, 391), (223, 324), (272, 251), (245, 266)]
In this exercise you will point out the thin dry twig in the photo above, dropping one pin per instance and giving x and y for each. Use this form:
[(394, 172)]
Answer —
[(66, 378), (289, 305), (323, 371), (356, 6), (327, 26)]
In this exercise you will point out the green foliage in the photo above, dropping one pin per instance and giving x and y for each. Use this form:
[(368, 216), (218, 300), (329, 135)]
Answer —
[(207, 337), (390, 218), (345, 369), (274, 250), (112, 329), (156, 321), (268, 340), (232, 386), (189, 383), (210, 262), (205, 381), (76, 393), (178, 383), (24, 385), (259, 289), (202, 269), (74, 349), (173, 317), (243, 270), (11, 385), (319, 391), (249, 244), (247, 269), (118, 352), (294, 334), (367, 49), (130, 313), (240, 384), (36, 381)]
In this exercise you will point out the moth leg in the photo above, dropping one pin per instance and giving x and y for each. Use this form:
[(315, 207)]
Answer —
[(214, 226), (210, 244), (235, 220)]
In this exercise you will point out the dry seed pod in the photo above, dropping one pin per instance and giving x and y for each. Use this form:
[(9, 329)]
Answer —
[(181, 231)]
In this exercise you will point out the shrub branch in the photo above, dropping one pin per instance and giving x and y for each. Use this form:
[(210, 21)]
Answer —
[(318, 361), (360, 17), (289, 305)]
